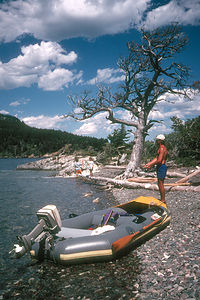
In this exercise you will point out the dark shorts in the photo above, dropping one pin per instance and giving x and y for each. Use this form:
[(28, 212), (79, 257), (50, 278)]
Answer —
[(161, 171)]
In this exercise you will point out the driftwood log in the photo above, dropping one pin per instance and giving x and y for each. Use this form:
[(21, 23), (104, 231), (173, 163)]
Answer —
[(148, 182), (186, 178), (175, 174), (177, 184), (145, 173), (142, 179), (151, 186)]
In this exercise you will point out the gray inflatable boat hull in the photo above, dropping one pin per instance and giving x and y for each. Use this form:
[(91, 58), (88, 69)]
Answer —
[(78, 241)]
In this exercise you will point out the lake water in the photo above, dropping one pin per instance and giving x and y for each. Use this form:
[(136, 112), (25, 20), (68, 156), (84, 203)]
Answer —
[(22, 193)]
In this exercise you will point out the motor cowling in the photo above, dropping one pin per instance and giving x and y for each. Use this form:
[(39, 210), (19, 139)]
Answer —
[(51, 216), (48, 225)]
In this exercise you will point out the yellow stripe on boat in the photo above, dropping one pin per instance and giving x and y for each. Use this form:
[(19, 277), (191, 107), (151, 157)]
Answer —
[(151, 201), (86, 254)]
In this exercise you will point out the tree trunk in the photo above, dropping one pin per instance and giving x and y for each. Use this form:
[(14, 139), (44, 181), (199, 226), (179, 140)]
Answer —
[(136, 154)]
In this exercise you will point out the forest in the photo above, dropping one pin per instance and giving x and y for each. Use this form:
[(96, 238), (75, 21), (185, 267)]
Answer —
[(19, 140)]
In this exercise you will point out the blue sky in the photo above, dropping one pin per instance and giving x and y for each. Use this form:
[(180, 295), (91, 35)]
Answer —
[(52, 48)]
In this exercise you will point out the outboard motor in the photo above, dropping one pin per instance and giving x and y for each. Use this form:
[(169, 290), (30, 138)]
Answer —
[(48, 225)]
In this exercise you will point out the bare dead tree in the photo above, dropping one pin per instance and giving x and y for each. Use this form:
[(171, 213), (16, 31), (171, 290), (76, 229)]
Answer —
[(150, 72)]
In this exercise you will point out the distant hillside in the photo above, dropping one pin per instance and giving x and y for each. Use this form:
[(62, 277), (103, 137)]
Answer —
[(20, 140)]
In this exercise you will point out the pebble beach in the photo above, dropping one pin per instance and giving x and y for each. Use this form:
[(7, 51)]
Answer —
[(165, 267), (170, 261)]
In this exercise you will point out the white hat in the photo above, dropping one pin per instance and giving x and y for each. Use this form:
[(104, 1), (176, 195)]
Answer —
[(160, 137)]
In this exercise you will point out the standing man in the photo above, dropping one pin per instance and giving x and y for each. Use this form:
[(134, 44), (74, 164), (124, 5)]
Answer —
[(91, 165), (159, 161), (77, 166)]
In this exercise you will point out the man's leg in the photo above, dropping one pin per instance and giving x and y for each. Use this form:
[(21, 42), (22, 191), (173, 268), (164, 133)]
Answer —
[(161, 189)]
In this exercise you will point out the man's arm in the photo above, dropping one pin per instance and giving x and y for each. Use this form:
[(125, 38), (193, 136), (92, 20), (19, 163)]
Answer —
[(157, 160), (150, 164)]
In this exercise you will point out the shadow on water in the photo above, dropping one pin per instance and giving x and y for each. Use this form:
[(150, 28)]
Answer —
[(22, 194)]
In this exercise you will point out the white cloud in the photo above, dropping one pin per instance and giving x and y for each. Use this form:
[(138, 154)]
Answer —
[(173, 106), (156, 114), (87, 128), (184, 12), (15, 103), (57, 20), (55, 80), (19, 102), (4, 112), (62, 19), (39, 63), (44, 122), (107, 75), (125, 115), (96, 126), (10, 77), (36, 55), (178, 106), (78, 110), (159, 128)]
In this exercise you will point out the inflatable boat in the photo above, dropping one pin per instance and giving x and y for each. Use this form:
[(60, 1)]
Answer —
[(95, 236)]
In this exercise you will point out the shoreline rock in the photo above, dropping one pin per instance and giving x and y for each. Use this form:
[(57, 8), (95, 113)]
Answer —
[(62, 164)]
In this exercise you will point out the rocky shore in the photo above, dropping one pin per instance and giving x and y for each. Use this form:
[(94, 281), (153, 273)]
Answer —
[(63, 165), (165, 267)]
